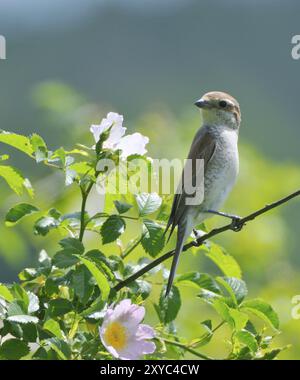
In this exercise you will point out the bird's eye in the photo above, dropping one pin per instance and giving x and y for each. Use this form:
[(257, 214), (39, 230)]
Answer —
[(222, 103)]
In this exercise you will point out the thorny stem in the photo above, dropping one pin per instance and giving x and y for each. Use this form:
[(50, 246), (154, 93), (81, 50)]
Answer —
[(84, 194), (236, 226)]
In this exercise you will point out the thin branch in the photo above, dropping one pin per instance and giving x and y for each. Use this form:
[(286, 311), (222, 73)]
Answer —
[(184, 347), (236, 226)]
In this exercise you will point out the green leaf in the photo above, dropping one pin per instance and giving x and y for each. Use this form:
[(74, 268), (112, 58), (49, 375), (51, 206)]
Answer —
[(19, 211), (112, 228), (199, 280), (270, 355), (15, 180), (169, 306), (101, 261), (39, 147), (236, 288), (29, 332), (140, 288), (101, 280), (53, 327), (262, 310), (60, 347), (33, 303), (94, 308), (14, 349), (240, 319), (23, 319), (223, 310), (65, 258), (72, 243), (5, 293), (81, 283), (248, 339), (44, 224), (208, 296), (17, 307), (21, 294), (224, 261), (148, 203), (153, 240), (17, 141), (59, 307), (122, 207)]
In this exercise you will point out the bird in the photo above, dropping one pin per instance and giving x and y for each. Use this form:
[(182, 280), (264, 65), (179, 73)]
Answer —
[(216, 143)]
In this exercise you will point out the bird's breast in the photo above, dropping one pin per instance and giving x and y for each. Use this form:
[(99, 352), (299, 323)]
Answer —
[(222, 170)]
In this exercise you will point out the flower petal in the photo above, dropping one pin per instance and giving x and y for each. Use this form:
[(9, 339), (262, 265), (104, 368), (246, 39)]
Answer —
[(145, 332), (133, 144), (116, 133)]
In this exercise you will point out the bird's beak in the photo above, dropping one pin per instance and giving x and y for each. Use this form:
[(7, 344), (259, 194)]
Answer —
[(201, 103)]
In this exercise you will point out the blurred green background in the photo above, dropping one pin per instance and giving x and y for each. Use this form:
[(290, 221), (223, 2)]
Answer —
[(69, 61)]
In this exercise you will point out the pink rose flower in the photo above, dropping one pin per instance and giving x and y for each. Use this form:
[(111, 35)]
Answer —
[(123, 334)]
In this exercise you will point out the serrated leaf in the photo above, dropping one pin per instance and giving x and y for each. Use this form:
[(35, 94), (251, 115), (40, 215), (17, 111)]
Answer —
[(122, 207), (14, 349), (17, 141), (65, 258), (148, 203), (59, 307), (153, 240), (240, 319), (224, 261), (19, 211), (101, 280), (39, 147), (262, 310), (199, 280), (112, 228), (53, 327), (15, 180), (248, 339), (101, 261), (208, 296), (270, 355), (223, 310), (33, 303), (46, 223), (81, 283), (169, 306), (236, 288), (72, 243), (60, 347), (5, 293), (23, 319)]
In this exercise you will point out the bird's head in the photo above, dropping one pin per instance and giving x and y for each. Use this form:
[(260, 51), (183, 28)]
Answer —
[(219, 108)]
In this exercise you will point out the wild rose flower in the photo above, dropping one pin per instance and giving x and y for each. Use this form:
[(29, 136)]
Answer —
[(114, 121), (129, 145), (123, 334)]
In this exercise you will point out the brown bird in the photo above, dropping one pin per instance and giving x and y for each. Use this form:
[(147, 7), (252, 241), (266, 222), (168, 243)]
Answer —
[(216, 144)]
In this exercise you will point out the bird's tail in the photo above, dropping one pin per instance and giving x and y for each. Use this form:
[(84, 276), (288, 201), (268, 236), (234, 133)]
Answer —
[(181, 236)]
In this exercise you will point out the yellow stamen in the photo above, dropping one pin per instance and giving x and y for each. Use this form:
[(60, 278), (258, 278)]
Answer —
[(115, 335)]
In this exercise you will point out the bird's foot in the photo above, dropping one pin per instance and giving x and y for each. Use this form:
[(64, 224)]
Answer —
[(236, 224)]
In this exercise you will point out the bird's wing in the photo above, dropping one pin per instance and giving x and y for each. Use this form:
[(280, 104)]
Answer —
[(203, 147)]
